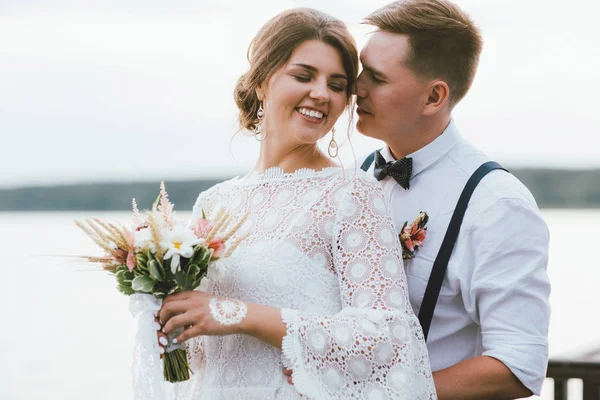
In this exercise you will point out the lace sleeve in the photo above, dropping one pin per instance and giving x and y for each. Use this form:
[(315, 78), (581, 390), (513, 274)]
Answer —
[(203, 203), (373, 348)]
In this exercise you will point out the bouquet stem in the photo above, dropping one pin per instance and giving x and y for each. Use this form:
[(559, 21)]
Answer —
[(175, 366)]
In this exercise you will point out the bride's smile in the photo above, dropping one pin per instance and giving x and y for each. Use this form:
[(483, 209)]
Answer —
[(306, 96)]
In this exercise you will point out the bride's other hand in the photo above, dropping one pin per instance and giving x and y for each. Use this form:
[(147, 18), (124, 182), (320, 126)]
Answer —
[(200, 314), (161, 337)]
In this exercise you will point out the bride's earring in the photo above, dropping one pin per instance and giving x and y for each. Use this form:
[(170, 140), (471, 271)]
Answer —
[(333, 146), (259, 131)]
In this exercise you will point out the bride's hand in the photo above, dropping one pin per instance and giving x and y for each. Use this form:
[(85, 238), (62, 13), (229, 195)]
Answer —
[(201, 314)]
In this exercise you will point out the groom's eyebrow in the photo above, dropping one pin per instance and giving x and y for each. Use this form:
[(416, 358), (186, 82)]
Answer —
[(313, 69), (372, 70)]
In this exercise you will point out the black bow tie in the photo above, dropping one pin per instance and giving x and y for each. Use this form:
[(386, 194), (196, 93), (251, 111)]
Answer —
[(400, 170)]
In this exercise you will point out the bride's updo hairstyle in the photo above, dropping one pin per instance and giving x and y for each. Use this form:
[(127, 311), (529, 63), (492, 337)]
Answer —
[(275, 43)]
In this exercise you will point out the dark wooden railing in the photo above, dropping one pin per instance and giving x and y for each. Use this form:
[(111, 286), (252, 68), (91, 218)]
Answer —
[(586, 368)]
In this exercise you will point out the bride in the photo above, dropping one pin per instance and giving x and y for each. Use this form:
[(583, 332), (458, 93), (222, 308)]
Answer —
[(317, 283)]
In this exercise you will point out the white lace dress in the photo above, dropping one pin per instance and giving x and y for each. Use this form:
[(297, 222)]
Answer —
[(322, 248)]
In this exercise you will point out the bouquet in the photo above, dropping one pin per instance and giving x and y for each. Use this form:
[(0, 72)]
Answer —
[(159, 256)]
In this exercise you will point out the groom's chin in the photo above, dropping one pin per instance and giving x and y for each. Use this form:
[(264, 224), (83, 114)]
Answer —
[(363, 127)]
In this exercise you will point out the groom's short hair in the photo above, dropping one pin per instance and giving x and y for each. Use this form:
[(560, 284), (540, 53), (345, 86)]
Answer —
[(444, 41)]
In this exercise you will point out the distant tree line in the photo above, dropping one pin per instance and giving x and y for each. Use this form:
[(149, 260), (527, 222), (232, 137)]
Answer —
[(551, 188)]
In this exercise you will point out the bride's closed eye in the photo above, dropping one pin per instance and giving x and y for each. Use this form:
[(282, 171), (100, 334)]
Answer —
[(336, 87), (302, 78)]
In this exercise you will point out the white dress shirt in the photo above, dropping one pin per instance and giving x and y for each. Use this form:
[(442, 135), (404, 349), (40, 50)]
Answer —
[(494, 299)]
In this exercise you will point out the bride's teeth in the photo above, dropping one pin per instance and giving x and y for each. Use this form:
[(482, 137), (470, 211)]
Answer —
[(311, 113)]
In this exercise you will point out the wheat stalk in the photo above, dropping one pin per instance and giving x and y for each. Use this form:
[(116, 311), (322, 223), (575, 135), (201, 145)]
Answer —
[(235, 244), (225, 218), (97, 229), (120, 231), (215, 221), (113, 234), (235, 228), (99, 240)]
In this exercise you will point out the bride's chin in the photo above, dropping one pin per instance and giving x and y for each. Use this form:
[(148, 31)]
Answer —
[(309, 138)]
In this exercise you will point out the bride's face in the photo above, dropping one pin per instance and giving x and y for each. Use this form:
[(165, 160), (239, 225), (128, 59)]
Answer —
[(305, 97)]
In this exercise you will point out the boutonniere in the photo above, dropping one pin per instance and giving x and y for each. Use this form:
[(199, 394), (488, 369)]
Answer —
[(412, 236)]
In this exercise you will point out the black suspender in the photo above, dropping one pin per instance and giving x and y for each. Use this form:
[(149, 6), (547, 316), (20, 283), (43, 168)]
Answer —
[(440, 264), (368, 161)]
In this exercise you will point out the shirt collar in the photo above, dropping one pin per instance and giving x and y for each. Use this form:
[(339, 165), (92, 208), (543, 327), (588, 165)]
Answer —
[(428, 155)]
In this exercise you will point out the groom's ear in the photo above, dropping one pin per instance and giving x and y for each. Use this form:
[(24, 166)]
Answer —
[(439, 93)]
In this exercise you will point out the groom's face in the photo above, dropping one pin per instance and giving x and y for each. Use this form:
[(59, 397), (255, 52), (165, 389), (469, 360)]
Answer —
[(390, 97)]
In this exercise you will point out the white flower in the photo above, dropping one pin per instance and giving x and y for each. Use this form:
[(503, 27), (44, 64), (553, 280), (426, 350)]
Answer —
[(143, 239), (178, 242)]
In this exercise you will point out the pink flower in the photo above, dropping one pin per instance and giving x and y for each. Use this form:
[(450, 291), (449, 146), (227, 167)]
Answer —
[(218, 247), (130, 236), (202, 227), (119, 255), (415, 235), (130, 260), (409, 244), (418, 236)]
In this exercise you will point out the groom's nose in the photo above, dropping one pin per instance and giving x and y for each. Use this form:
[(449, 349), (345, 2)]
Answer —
[(360, 88)]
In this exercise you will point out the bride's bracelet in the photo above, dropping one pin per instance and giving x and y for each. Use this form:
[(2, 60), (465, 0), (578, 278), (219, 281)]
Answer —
[(227, 311)]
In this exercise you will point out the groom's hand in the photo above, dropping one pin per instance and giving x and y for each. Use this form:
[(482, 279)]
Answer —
[(288, 373)]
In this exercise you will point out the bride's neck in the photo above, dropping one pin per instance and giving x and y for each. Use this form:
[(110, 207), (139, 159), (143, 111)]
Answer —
[(291, 158)]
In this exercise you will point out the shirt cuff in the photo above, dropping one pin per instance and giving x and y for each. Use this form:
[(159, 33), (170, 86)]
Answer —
[(525, 356)]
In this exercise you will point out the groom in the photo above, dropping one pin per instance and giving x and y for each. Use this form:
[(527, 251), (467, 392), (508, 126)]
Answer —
[(488, 336)]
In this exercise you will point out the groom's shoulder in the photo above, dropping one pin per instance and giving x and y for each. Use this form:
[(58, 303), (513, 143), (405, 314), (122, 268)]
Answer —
[(497, 186)]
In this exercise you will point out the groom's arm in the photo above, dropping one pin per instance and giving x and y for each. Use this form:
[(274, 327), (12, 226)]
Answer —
[(505, 290), (478, 378)]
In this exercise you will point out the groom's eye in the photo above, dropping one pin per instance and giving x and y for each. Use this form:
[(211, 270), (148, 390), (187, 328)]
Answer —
[(375, 79)]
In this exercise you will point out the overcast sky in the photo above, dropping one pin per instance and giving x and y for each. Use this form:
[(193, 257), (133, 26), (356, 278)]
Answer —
[(124, 90)]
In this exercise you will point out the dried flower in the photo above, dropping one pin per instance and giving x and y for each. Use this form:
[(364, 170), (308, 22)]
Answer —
[(165, 207), (137, 220)]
